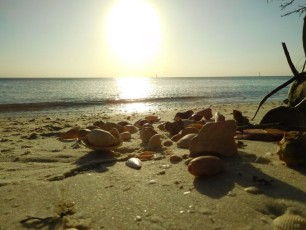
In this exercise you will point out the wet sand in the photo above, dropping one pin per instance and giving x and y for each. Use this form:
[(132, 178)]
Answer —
[(46, 183)]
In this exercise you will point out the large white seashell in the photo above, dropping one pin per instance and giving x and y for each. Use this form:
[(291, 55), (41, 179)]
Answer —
[(102, 138), (134, 163), (289, 222), (154, 142)]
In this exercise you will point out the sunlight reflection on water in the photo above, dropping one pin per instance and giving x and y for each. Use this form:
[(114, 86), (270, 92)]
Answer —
[(134, 88)]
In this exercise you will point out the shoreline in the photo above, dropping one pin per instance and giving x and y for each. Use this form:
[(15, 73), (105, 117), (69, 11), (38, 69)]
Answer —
[(41, 177)]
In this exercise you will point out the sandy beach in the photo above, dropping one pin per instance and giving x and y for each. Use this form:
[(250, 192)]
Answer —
[(46, 183)]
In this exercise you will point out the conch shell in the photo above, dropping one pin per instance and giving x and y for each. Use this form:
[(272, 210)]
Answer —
[(102, 138), (292, 148)]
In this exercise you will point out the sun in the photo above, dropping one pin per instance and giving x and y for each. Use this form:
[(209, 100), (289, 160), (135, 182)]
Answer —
[(133, 31)]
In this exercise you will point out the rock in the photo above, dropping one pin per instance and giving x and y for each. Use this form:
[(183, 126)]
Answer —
[(152, 118), (215, 137), (184, 142), (205, 166), (134, 163), (206, 113)]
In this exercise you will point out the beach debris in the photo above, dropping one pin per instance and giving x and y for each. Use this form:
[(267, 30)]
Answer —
[(219, 117), (130, 128), (215, 137), (253, 190), (289, 222), (286, 116), (292, 148), (146, 133), (101, 138), (134, 163), (183, 115), (154, 142), (125, 136), (239, 118), (184, 142), (205, 166), (174, 127)]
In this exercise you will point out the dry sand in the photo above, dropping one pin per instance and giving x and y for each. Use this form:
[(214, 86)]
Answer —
[(49, 184)]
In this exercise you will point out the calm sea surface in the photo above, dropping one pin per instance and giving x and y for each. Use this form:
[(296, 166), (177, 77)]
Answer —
[(132, 94)]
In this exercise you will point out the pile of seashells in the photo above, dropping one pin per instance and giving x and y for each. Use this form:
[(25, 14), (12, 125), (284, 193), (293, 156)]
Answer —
[(208, 138)]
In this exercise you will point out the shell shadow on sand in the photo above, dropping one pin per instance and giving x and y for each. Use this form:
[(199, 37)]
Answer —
[(239, 171)]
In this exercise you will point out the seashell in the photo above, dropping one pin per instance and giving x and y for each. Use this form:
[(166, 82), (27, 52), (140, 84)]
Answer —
[(99, 124), (134, 163), (292, 148), (154, 142), (289, 222), (174, 127), (219, 117), (253, 190), (152, 118), (161, 127), (205, 166), (71, 134), (140, 123), (146, 134), (215, 137), (125, 136), (239, 118), (206, 113), (197, 126), (83, 133), (189, 129), (146, 155), (183, 115), (110, 125), (176, 137), (167, 143), (123, 123), (130, 128), (184, 142), (174, 159), (102, 138)]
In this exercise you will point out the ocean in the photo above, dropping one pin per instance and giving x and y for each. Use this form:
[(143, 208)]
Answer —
[(102, 95)]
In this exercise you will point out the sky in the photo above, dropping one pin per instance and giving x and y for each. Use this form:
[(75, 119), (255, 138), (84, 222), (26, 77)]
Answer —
[(167, 38)]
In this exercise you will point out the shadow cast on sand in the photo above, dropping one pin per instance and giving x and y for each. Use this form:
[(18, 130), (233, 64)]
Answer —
[(239, 171)]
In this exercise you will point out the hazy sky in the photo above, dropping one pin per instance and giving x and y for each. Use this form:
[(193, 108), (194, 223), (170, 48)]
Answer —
[(184, 38)]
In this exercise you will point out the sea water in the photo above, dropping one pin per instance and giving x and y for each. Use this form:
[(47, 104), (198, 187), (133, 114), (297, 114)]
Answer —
[(132, 94)]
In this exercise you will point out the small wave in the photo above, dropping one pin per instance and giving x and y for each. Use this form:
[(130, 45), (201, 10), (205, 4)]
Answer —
[(39, 106)]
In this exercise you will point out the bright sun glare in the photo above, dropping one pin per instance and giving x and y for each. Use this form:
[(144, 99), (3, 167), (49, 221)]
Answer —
[(133, 31)]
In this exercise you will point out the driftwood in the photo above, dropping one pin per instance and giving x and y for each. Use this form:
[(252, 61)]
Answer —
[(297, 91)]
